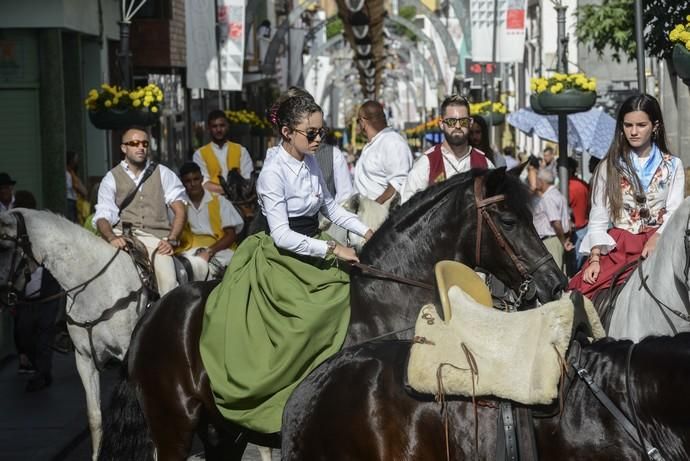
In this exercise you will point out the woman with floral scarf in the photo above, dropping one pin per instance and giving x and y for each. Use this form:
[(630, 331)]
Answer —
[(635, 191)]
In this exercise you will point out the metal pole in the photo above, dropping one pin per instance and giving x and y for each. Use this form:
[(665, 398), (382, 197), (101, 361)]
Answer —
[(125, 64), (562, 118), (218, 46), (493, 75), (639, 40)]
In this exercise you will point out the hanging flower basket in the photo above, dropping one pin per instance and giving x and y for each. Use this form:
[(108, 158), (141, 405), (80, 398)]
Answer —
[(564, 93), (493, 118), (119, 119), (680, 36), (493, 113), (535, 105), (681, 62), (567, 101), (115, 108)]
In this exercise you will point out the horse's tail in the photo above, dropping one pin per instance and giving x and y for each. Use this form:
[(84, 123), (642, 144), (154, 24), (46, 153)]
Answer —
[(125, 432)]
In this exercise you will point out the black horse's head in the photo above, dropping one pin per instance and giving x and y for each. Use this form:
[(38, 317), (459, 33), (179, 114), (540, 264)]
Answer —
[(16, 261), (443, 222), (510, 247)]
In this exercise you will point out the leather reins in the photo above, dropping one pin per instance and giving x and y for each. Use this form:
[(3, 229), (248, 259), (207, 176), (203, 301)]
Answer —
[(482, 204)]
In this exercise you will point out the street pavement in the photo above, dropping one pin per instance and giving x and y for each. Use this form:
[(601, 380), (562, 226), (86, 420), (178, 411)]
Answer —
[(51, 424)]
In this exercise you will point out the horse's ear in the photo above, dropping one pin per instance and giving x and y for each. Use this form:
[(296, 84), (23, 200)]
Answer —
[(494, 180), (516, 171)]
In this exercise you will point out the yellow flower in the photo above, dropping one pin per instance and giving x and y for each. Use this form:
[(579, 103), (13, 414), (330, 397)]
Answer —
[(154, 109), (136, 103), (108, 103)]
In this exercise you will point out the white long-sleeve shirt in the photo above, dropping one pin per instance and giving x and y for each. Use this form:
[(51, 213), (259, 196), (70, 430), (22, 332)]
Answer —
[(289, 188), (221, 153), (386, 159), (600, 216), (341, 173), (107, 209)]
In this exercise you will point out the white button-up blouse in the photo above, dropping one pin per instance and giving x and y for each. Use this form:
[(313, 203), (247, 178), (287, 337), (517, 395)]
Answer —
[(289, 188)]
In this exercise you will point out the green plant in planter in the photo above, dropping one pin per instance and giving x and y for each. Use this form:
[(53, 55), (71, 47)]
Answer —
[(564, 93), (680, 37), (114, 107), (489, 111)]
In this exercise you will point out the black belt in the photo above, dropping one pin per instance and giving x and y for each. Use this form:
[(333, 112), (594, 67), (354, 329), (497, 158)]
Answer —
[(548, 237), (305, 225)]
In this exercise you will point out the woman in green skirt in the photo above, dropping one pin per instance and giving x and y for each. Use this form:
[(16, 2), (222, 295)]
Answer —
[(284, 304)]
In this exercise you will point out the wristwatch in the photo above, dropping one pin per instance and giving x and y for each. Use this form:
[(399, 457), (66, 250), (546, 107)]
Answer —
[(173, 243), (331, 244)]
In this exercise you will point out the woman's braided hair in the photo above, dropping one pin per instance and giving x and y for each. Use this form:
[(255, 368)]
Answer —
[(291, 108)]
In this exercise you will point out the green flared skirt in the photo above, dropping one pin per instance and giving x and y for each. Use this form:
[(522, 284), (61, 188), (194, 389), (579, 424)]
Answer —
[(273, 319)]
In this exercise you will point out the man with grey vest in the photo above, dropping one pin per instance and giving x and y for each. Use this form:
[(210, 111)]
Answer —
[(137, 194)]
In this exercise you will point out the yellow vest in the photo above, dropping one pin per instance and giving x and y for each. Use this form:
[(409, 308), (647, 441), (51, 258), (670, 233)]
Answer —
[(190, 240), (212, 165)]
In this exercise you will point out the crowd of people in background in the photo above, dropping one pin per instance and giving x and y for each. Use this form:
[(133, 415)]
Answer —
[(306, 173)]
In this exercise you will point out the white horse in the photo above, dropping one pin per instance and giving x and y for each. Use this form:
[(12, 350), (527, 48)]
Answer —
[(663, 307), (105, 305)]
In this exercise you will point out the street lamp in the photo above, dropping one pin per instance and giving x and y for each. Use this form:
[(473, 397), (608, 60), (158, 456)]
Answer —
[(129, 9), (562, 66)]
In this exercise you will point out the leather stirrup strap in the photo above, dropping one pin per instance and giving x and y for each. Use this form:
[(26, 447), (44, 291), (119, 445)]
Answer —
[(506, 440)]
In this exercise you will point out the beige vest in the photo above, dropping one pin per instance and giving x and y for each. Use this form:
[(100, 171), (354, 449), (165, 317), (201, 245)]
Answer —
[(147, 211)]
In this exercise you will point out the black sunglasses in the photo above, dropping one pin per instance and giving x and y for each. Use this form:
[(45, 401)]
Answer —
[(642, 206), (312, 134), (464, 122), (136, 142)]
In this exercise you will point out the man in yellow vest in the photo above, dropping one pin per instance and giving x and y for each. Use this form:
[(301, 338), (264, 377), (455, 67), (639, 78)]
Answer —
[(213, 224), (220, 156)]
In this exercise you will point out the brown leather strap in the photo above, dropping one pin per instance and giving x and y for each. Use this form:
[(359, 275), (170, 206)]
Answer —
[(481, 204), (374, 272)]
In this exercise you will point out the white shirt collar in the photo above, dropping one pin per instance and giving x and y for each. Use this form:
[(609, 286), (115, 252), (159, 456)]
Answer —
[(125, 165), (290, 161)]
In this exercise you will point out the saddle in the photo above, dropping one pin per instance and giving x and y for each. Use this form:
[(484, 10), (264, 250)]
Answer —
[(474, 351), (140, 257)]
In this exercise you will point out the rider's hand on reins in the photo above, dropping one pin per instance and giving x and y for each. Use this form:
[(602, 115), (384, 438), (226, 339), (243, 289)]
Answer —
[(118, 242), (165, 248), (345, 253)]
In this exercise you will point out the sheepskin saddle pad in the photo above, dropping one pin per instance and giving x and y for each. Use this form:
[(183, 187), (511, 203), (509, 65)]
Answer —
[(487, 352)]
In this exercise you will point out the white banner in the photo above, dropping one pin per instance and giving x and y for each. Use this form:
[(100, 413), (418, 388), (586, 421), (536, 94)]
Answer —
[(201, 42), (202, 59), (510, 39)]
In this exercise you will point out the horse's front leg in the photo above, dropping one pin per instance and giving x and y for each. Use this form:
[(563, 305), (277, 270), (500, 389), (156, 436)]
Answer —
[(92, 388)]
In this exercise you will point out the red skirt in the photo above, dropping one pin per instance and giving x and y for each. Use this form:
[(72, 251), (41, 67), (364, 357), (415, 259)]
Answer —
[(628, 248)]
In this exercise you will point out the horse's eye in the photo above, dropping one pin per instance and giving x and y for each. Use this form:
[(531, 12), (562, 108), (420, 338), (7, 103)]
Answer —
[(508, 221)]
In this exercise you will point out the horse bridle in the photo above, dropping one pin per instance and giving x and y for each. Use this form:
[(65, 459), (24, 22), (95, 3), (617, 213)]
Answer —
[(482, 204), (19, 263), (22, 249)]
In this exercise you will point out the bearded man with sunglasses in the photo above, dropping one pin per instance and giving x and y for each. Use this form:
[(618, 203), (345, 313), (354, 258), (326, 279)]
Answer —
[(137, 194), (454, 155)]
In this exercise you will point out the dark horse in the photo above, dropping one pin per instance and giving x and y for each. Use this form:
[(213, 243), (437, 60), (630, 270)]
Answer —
[(165, 369), (355, 406)]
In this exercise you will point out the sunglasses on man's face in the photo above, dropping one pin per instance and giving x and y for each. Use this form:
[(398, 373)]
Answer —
[(311, 134), (136, 142), (464, 122)]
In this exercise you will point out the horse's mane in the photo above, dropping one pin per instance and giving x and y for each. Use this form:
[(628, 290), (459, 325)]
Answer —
[(497, 182), (675, 348)]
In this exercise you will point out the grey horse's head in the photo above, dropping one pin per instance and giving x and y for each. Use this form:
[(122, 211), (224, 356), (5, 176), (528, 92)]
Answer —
[(16, 263)]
